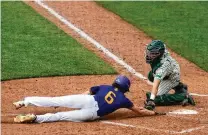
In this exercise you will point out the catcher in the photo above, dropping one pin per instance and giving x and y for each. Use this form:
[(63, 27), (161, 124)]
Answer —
[(165, 75), (99, 101)]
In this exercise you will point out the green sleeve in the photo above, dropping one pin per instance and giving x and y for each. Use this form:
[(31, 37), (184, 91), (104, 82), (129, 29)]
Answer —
[(150, 76)]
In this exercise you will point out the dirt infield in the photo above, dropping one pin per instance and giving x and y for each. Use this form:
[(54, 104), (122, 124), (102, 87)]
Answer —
[(125, 41)]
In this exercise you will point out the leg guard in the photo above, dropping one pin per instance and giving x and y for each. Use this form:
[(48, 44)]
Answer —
[(168, 99)]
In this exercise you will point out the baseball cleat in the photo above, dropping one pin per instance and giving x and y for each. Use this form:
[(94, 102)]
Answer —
[(188, 100), (18, 104), (191, 100), (25, 118)]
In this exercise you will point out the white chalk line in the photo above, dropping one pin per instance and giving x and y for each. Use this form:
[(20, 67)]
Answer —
[(105, 51), (183, 112), (151, 129), (91, 40), (119, 124), (128, 125), (200, 95), (96, 44), (190, 130)]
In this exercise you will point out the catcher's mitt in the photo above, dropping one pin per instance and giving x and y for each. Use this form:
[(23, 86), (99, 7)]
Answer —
[(149, 104)]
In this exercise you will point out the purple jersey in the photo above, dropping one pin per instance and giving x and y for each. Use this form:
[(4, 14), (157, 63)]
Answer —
[(109, 99)]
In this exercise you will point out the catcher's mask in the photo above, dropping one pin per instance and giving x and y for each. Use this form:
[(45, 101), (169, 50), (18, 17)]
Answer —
[(154, 50), (122, 83)]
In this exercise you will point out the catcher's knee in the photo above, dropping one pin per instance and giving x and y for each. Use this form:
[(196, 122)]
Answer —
[(181, 88)]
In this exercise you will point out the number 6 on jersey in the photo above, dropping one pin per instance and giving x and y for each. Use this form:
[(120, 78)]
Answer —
[(109, 98)]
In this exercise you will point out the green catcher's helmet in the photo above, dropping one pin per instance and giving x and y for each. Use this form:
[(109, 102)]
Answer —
[(154, 50)]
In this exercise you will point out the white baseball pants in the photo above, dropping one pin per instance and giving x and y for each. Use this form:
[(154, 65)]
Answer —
[(86, 104), (166, 85)]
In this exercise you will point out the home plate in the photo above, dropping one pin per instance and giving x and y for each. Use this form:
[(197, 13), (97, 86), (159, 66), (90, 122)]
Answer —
[(183, 111)]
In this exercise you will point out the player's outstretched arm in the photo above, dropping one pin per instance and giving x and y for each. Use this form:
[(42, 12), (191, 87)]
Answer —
[(143, 111)]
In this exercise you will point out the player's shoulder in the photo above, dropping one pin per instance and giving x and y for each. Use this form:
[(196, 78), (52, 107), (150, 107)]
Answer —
[(165, 64), (166, 60)]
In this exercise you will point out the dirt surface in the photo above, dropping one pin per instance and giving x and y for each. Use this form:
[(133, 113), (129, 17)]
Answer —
[(125, 41)]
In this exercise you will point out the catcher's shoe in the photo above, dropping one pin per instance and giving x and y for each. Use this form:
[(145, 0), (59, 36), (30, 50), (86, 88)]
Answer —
[(25, 118), (18, 104), (191, 100), (188, 100)]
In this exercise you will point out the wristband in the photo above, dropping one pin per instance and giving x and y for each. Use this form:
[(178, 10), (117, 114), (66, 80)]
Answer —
[(152, 96)]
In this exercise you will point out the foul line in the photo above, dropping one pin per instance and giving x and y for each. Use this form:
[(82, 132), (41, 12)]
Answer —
[(189, 130), (98, 45), (151, 129), (200, 95), (119, 124), (91, 40), (131, 126)]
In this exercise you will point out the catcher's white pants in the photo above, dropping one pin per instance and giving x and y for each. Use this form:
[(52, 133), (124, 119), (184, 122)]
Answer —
[(86, 104), (166, 85)]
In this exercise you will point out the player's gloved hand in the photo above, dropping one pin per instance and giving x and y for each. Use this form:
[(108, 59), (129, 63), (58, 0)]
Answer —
[(149, 104)]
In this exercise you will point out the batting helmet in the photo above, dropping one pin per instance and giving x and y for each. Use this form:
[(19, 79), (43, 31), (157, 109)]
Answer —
[(154, 50), (122, 83)]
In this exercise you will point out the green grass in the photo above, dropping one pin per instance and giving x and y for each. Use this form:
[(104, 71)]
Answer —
[(183, 26), (34, 47)]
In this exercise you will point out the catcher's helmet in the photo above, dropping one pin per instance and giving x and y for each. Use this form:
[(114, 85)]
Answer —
[(122, 83), (154, 50)]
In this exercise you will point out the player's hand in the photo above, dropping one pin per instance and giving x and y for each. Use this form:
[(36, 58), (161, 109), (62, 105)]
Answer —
[(149, 104)]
